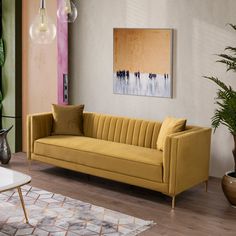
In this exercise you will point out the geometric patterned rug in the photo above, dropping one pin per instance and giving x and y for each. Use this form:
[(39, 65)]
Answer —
[(56, 215)]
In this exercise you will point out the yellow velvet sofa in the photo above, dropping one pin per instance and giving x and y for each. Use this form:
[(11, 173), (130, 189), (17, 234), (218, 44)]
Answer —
[(124, 149)]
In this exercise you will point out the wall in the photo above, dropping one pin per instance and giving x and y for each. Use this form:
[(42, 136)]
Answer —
[(39, 66), (11, 78), (200, 33)]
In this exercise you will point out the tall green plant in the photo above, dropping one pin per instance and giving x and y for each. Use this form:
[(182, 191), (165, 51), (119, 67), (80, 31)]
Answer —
[(225, 114), (2, 52), (2, 60)]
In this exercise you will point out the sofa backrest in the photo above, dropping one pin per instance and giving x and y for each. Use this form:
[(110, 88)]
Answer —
[(143, 133), (137, 132)]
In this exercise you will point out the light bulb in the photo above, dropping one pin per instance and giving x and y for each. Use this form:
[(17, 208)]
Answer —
[(42, 30), (67, 11)]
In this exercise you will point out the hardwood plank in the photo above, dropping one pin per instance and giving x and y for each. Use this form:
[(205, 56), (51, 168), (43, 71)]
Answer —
[(196, 213)]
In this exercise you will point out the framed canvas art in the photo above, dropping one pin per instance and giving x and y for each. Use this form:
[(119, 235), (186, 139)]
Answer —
[(142, 62)]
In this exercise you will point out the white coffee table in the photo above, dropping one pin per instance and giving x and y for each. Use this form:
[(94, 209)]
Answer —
[(10, 179)]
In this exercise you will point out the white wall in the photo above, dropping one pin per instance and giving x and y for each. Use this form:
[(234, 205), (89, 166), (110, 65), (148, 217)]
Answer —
[(200, 32)]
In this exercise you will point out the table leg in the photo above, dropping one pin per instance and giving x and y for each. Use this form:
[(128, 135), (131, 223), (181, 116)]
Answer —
[(23, 204)]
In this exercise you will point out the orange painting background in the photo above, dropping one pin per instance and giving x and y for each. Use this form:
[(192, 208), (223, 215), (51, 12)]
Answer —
[(144, 50)]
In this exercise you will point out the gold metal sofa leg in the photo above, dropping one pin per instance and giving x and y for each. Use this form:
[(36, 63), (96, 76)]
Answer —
[(173, 203), (206, 185)]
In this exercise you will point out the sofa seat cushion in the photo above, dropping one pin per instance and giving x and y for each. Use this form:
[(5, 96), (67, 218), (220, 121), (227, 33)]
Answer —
[(125, 159)]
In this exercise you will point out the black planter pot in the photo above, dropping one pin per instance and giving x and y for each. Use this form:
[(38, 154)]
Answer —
[(5, 151)]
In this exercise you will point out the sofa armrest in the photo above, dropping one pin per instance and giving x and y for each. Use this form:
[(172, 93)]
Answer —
[(38, 126), (186, 159)]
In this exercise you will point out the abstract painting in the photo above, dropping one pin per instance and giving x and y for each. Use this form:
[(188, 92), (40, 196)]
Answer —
[(142, 62)]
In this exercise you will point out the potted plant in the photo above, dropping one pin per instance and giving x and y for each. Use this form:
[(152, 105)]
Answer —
[(225, 114)]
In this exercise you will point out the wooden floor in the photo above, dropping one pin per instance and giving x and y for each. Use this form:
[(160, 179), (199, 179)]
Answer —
[(197, 212)]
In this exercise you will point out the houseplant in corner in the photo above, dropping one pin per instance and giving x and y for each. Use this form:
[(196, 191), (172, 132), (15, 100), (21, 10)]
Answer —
[(225, 114), (2, 60)]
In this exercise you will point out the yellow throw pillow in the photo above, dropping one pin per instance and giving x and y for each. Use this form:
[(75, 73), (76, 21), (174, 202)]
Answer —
[(169, 126), (68, 119)]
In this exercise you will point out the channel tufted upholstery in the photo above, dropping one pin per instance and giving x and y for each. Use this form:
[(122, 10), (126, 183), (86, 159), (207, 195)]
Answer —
[(121, 130)]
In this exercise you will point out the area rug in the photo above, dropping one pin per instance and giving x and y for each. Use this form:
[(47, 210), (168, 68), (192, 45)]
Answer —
[(56, 215)]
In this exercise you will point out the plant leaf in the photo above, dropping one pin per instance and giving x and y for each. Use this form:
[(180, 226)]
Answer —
[(227, 57), (2, 52), (231, 49), (233, 26), (230, 65), (218, 82)]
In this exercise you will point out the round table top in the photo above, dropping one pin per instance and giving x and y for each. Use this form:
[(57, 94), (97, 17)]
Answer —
[(10, 179)]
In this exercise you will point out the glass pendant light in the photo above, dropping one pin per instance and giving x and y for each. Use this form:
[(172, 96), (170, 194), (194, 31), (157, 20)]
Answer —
[(42, 30), (67, 11)]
